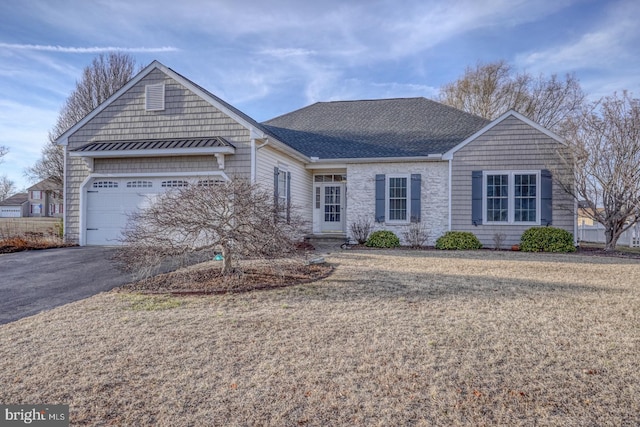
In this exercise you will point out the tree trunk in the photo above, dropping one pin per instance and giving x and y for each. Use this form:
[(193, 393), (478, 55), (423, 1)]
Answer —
[(226, 261), (612, 234)]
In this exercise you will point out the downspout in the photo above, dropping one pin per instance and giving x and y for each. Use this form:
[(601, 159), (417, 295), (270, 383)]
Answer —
[(254, 157), (64, 194), (450, 186), (253, 160)]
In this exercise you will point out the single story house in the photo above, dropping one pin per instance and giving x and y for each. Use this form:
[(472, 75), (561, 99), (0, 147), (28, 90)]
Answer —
[(16, 206), (45, 199), (388, 161)]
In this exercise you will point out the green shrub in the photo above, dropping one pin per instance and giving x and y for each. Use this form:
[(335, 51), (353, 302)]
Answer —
[(547, 239), (383, 239), (458, 240)]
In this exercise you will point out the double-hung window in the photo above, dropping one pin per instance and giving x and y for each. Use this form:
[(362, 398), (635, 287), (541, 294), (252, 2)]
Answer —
[(511, 197), (282, 192), (398, 196)]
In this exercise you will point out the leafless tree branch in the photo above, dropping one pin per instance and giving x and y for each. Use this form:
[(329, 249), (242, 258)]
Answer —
[(604, 146), (490, 90), (236, 218), (100, 80)]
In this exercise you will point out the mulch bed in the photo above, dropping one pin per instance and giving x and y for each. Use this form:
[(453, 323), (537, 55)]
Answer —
[(206, 279)]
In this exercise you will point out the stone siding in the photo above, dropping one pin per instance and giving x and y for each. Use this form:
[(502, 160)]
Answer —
[(361, 182)]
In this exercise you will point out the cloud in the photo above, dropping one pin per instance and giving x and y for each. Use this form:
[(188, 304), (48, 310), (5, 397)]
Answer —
[(94, 49), (605, 54)]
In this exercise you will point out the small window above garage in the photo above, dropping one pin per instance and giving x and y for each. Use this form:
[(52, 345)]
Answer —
[(154, 95)]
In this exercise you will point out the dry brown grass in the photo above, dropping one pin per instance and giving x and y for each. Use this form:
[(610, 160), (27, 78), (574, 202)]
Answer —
[(20, 234), (391, 338)]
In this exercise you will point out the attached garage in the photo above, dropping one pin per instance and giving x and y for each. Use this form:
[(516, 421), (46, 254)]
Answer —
[(15, 206), (110, 201), (10, 212)]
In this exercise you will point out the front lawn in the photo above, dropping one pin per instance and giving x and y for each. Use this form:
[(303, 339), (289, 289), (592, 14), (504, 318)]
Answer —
[(390, 338)]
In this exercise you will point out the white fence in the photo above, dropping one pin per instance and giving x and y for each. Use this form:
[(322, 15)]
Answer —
[(595, 234)]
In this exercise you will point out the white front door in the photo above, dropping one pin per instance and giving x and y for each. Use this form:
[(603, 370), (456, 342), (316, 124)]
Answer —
[(332, 200)]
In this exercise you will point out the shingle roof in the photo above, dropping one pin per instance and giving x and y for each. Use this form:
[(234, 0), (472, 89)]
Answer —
[(15, 200), (45, 184), (403, 127), (155, 144)]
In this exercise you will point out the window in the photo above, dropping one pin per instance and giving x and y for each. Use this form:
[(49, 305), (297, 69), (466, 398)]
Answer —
[(139, 184), (511, 197), (36, 195), (497, 198), (397, 197), (209, 182), (174, 183), (525, 198), (282, 192), (105, 184), (282, 189)]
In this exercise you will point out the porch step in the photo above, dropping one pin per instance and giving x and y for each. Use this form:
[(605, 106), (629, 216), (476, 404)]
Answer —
[(326, 240)]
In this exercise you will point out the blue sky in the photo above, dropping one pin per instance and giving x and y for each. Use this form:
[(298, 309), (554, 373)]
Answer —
[(271, 57)]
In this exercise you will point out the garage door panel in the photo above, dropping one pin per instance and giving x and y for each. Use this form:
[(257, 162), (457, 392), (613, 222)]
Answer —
[(108, 209)]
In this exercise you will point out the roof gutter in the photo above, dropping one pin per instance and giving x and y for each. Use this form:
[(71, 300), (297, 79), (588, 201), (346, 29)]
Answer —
[(315, 161)]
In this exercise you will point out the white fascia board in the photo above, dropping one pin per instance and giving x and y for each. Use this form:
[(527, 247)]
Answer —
[(281, 146), (328, 163), (449, 154), (155, 153)]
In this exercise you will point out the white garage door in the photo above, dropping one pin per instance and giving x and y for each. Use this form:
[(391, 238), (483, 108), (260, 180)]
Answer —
[(109, 201), (10, 212)]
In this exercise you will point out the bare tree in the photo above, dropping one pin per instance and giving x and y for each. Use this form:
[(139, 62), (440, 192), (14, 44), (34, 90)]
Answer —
[(490, 90), (7, 187), (100, 80), (604, 146), (3, 151), (234, 217)]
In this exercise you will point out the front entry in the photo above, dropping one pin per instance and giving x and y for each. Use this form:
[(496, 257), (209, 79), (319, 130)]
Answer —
[(332, 198)]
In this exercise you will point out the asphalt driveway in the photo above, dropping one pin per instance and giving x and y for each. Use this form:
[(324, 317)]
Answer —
[(33, 281)]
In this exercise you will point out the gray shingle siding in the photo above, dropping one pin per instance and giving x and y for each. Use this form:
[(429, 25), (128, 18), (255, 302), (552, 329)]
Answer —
[(510, 145), (186, 115)]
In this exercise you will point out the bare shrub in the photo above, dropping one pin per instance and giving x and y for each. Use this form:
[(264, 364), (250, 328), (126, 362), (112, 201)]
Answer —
[(190, 224), (498, 240), (416, 234), (360, 229)]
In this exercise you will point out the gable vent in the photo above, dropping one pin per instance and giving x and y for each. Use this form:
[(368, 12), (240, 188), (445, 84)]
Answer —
[(154, 97)]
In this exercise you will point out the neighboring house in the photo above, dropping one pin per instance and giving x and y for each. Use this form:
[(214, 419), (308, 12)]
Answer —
[(15, 206), (45, 199), (391, 162)]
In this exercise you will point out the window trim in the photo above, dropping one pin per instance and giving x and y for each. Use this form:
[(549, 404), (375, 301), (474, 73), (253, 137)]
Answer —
[(387, 199), (511, 196)]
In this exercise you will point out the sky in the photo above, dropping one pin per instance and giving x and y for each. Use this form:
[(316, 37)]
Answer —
[(270, 57)]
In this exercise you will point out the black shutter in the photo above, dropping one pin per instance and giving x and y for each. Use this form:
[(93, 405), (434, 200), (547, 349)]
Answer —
[(416, 184), (276, 172), (380, 197), (546, 191), (476, 197)]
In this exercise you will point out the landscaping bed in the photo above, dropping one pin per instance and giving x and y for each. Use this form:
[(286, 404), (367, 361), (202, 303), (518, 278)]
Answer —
[(249, 275)]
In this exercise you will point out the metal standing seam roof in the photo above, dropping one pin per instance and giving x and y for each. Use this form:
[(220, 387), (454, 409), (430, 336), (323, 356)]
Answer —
[(154, 144), (402, 127)]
